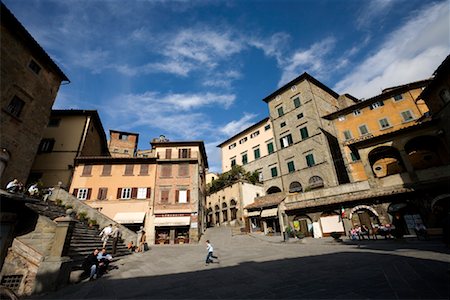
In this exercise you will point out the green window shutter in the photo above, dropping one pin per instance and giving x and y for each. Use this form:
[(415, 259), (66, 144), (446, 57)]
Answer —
[(274, 172), (280, 111), (257, 154), (304, 133), (297, 102), (291, 166), (244, 159), (270, 148), (310, 160)]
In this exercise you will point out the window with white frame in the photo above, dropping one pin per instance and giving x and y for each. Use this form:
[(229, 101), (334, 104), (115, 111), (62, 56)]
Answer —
[(256, 133), (82, 194), (126, 193), (356, 112), (347, 135), (142, 193), (363, 129), (243, 140), (341, 118), (286, 141), (407, 115), (384, 123), (376, 104), (232, 146), (182, 196)]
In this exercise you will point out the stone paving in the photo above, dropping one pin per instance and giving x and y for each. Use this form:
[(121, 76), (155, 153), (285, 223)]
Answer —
[(254, 266)]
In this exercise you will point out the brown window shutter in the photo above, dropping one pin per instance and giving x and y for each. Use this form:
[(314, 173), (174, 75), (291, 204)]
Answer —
[(189, 153), (177, 196), (100, 194), (168, 153), (89, 194), (119, 193), (105, 193), (164, 196), (188, 194), (106, 170), (149, 193), (180, 153), (134, 193), (87, 170), (75, 192)]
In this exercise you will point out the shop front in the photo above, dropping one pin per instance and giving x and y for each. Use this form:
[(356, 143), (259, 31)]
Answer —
[(172, 228), (131, 220), (271, 224)]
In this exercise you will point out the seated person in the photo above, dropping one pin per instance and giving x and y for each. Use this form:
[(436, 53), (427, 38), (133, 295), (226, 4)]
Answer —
[(33, 189), (103, 261), (14, 186), (365, 231), (90, 265), (131, 246), (353, 234)]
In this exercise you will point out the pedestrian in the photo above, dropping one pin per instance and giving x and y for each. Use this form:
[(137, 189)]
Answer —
[(103, 262), (142, 242), (105, 233), (116, 234), (90, 265), (139, 235), (210, 255)]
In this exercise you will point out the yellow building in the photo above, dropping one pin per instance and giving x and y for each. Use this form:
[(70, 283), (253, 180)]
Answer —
[(395, 108)]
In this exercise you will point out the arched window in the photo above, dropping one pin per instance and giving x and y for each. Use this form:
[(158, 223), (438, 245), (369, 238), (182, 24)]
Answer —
[(385, 161), (295, 187), (233, 210), (225, 212), (273, 190), (425, 152), (315, 182)]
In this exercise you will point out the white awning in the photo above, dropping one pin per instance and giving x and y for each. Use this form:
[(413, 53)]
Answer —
[(271, 212), (172, 221), (129, 217), (254, 213)]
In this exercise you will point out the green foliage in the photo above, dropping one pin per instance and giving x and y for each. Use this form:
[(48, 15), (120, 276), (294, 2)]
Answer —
[(68, 206), (228, 178), (82, 216), (58, 202), (92, 222)]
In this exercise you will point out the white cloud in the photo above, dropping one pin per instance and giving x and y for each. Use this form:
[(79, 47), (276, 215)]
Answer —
[(375, 9), (410, 53), (237, 126)]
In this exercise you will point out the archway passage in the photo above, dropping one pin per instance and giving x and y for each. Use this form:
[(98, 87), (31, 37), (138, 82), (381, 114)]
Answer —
[(295, 187), (209, 217), (304, 225), (362, 216), (217, 214), (273, 190), (233, 210), (440, 207), (426, 152), (224, 212), (385, 161)]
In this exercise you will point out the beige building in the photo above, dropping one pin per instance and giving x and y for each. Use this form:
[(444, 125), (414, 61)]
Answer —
[(69, 134), (210, 177), (29, 83), (122, 143)]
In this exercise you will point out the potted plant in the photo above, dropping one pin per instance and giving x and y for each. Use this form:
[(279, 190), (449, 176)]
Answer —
[(92, 223), (82, 216)]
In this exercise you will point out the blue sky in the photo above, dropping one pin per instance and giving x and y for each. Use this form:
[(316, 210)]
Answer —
[(198, 70)]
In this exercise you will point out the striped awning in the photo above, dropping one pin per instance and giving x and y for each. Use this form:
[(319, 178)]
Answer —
[(254, 213), (271, 212), (129, 217)]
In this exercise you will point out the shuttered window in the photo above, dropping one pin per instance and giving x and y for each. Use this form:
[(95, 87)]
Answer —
[(87, 170), (168, 153), (144, 170), (106, 170), (102, 193), (183, 170), (165, 196), (129, 170)]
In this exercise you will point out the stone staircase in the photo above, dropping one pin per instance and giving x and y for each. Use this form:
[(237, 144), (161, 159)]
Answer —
[(84, 238)]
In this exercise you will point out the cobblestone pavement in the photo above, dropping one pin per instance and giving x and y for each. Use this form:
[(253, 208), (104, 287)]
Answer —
[(254, 266)]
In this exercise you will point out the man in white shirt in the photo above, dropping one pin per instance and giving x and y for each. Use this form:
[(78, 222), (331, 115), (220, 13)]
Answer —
[(106, 232), (210, 255)]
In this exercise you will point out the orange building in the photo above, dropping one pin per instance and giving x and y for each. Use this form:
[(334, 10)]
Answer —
[(122, 143), (395, 108)]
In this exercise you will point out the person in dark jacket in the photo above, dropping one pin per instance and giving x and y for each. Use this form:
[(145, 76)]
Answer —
[(90, 265)]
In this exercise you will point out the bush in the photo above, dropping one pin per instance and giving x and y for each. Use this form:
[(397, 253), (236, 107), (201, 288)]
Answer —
[(92, 222), (82, 216)]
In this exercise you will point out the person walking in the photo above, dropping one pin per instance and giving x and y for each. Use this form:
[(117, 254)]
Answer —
[(106, 232), (142, 242), (210, 255), (116, 234)]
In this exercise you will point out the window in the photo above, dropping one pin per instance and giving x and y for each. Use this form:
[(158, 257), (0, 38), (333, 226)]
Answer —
[(304, 133), (183, 170), (270, 148), (184, 153), (280, 111), (363, 130), (102, 192), (233, 162), (282, 124), (54, 122), (46, 146), (274, 172), (123, 137), (310, 160), (297, 102), (384, 123), (347, 135), (295, 187), (256, 153), (165, 196), (300, 115), (315, 182), (286, 141), (244, 159), (407, 116), (243, 140), (232, 146), (291, 167), (256, 133), (87, 170), (129, 170), (355, 155), (126, 193), (15, 106), (84, 194), (34, 67), (267, 127), (398, 97), (141, 193), (168, 153), (356, 112), (341, 118), (106, 170), (376, 104), (293, 88), (166, 171), (144, 170), (182, 196)]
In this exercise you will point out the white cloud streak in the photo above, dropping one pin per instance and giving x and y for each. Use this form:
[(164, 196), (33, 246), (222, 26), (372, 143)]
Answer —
[(236, 126)]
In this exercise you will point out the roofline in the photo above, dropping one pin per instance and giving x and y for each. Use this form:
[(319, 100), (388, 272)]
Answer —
[(10, 21), (245, 130), (127, 132), (112, 160), (201, 144), (301, 78), (376, 98)]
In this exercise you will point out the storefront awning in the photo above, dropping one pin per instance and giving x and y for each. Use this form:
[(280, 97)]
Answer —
[(129, 217), (172, 221), (271, 212), (254, 213)]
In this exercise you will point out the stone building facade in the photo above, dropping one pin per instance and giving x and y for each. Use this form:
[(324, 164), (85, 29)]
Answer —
[(29, 85), (122, 143)]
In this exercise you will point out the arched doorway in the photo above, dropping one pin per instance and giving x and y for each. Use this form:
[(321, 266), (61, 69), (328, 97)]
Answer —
[(233, 210), (405, 217), (273, 190), (331, 221), (224, 212), (426, 152), (217, 214), (295, 187), (385, 161), (303, 224), (315, 182), (209, 217), (364, 215)]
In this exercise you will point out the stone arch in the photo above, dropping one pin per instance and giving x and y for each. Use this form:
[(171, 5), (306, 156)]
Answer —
[(425, 152), (217, 214), (224, 212), (295, 187), (315, 182), (233, 210), (364, 215), (273, 190), (303, 224), (385, 161)]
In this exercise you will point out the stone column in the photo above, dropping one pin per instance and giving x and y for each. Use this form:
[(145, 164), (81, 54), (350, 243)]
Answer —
[(63, 234)]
